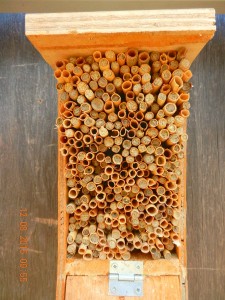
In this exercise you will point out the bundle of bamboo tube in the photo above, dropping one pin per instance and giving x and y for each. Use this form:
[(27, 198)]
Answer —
[(121, 128)]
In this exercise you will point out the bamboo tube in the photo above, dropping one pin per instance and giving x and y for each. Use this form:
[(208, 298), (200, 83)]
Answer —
[(187, 75), (87, 68), (169, 185), (108, 75), (131, 57), (148, 87), (58, 76), (176, 83), (129, 95), (143, 58), (127, 76), (134, 70), (64, 96), (137, 242), (85, 77), (169, 109), (61, 64), (126, 86), (117, 159), (163, 58), (161, 99), (136, 79), (109, 107), (173, 97), (184, 64), (110, 256), (121, 58), (126, 255), (166, 76), (109, 142), (102, 82), (167, 254), (173, 65), (151, 210), (137, 88), (70, 208), (116, 99), (95, 66), (146, 77), (71, 237), (88, 139), (124, 69), (95, 75), (183, 98), (66, 75), (100, 92), (71, 249), (184, 113), (171, 55), (110, 88), (88, 255), (159, 244), (181, 53), (178, 72), (97, 56), (82, 249), (165, 89), (77, 71), (179, 120), (115, 67), (142, 183), (156, 65), (73, 193)]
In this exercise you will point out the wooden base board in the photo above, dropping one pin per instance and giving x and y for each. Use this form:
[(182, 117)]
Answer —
[(96, 287)]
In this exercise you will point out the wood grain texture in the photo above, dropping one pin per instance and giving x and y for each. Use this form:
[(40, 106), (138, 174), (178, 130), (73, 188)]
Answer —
[(28, 164), (157, 288), (60, 36), (28, 108), (206, 177)]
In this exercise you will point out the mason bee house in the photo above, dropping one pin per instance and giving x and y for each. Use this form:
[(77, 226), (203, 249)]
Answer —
[(123, 81)]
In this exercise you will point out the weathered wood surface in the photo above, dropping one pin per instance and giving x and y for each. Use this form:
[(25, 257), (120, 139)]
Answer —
[(28, 165), (28, 172)]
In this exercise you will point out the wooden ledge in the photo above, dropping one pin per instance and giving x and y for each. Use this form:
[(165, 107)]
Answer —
[(161, 267), (57, 36)]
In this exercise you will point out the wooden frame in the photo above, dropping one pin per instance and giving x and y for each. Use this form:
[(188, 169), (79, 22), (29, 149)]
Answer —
[(58, 36)]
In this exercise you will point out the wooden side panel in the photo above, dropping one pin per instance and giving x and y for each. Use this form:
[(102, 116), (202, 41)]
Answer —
[(62, 227), (96, 288)]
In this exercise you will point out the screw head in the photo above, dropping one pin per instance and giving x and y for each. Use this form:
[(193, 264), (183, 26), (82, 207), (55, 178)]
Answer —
[(114, 266), (113, 290), (138, 291)]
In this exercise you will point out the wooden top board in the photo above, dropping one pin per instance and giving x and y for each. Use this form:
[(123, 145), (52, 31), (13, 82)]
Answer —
[(61, 35)]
